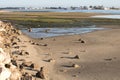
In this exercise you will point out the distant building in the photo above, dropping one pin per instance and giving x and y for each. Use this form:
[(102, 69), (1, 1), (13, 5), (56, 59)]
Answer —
[(106, 8)]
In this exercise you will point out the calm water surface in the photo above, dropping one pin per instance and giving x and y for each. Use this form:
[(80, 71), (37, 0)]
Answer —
[(52, 32), (69, 10), (107, 16)]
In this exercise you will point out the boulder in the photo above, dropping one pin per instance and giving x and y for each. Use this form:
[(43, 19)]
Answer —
[(4, 57), (4, 72)]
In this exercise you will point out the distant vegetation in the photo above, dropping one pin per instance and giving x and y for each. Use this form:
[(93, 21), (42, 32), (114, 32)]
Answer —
[(54, 19)]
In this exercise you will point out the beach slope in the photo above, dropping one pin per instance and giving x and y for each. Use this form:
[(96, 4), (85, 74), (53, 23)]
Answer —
[(97, 54)]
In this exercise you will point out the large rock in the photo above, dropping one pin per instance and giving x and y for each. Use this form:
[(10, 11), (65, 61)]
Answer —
[(7, 70), (4, 72), (4, 57)]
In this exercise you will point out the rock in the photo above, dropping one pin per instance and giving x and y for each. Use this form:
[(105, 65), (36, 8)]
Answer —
[(17, 47), (4, 57), (41, 38), (14, 62), (7, 45), (26, 53), (29, 29), (108, 59), (63, 70), (40, 74), (26, 76), (7, 65), (19, 32), (82, 41), (21, 67), (34, 66), (76, 57), (69, 52), (18, 52), (16, 75), (23, 53), (45, 45), (79, 39), (4, 72), (51, 60), (75, 75), (75, 66), (36, 43), (14, 43), (27, 64)]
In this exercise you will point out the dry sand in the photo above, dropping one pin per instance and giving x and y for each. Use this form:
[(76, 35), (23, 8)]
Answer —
[(99, 56)]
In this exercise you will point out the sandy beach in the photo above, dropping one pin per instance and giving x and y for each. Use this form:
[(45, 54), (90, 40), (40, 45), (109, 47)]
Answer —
[(89, 56), (98, 56)]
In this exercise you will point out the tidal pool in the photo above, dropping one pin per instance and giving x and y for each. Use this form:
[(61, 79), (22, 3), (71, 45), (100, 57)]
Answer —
[(52, 32)]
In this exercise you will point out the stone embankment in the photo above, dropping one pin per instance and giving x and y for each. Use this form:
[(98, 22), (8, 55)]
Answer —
[(9, 69)]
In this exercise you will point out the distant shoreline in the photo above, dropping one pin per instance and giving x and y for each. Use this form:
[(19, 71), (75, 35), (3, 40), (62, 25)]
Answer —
[(5, 11), (62, 10)]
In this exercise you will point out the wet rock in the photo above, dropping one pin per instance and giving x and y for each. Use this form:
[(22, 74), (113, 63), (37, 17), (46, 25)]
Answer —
[(41, 38), (29, 29)]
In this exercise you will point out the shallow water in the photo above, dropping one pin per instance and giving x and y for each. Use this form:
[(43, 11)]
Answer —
[(69, 10), (52, 32), (107, 16)]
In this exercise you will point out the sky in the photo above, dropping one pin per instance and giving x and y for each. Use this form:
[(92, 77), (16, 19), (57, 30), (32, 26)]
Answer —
[(56, 3)]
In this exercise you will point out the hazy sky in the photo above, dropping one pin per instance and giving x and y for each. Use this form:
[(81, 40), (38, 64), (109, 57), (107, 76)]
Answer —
[(65, 3)]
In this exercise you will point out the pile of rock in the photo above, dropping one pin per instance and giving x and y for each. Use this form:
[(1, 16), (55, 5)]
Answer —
[(8, 37)]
